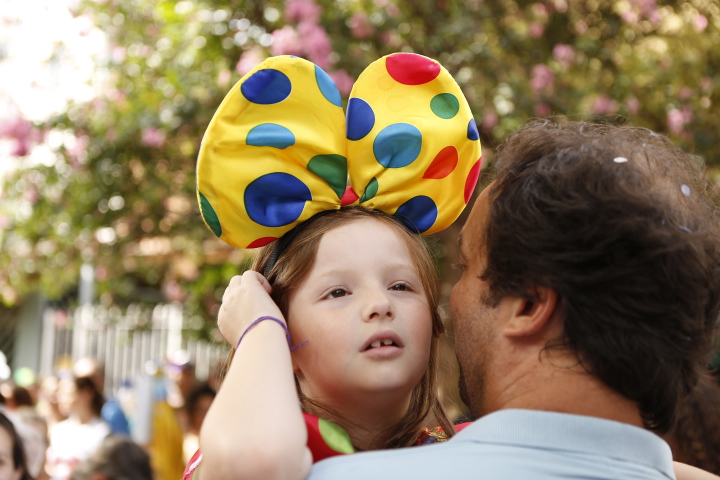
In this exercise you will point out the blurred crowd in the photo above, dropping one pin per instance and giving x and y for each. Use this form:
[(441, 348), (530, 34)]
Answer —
[(69, 426)]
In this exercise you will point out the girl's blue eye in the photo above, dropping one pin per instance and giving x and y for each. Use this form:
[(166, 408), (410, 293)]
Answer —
[(401, 287), (337, 293)]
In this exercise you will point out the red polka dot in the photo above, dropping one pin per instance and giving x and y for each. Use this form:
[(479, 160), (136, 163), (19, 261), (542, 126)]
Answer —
[(443, 164), (261, 242), (348, 197), (411, 69), (472, 179)]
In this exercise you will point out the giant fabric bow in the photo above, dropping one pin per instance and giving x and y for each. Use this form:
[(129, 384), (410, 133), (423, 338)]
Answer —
[(279, 150)]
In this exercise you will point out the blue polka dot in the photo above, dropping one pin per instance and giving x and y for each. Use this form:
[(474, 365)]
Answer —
[(472, 132), (270, 135), (360, 119), (327, 87), (397, 145), (276, 199), (266, 87), (418, 214)]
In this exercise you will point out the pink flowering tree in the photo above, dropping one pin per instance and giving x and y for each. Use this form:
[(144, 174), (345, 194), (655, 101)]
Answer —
[(121, 193)]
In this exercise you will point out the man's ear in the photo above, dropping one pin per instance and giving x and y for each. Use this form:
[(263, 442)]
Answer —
[(531, 316)]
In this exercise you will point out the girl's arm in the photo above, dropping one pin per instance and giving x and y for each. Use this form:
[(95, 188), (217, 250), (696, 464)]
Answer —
[(254, 428)]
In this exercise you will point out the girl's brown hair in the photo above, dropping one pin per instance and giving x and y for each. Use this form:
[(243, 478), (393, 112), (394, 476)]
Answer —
[(294, 265)]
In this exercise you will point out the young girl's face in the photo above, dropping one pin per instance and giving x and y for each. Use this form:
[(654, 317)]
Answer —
[(365, 313)]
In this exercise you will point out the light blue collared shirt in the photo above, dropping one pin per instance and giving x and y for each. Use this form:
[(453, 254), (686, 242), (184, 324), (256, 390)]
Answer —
[(517, 445)]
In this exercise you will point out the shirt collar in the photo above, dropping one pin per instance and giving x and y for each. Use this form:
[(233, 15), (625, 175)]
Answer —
[(571, 433)]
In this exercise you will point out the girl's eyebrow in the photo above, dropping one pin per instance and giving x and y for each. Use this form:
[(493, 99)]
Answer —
[(342, 271)]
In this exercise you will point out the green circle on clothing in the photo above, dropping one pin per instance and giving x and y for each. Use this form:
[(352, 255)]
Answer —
[(335, 437), (445, 105), (208, 213)]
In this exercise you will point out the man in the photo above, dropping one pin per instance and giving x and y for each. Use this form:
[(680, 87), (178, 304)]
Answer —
[(590, 288)]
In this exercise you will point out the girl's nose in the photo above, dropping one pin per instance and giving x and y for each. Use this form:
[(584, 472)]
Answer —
[(378, 306)]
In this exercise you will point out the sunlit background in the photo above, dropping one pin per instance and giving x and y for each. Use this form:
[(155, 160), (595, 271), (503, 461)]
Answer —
[(103, 105)]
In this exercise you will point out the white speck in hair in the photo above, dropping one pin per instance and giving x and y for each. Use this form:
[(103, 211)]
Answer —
[(620, 159), (685, 190)]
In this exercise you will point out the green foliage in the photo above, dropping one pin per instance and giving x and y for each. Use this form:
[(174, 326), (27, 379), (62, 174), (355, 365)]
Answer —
[(122, 192)]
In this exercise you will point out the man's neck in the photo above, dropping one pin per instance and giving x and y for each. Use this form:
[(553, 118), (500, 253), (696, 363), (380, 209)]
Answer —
[(558, 383)]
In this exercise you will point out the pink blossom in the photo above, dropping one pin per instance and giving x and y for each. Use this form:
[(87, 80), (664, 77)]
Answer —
[(700, 22), (685, 93), (360, 26), (249, 60), (647, 9), (536, 30), (604, 105), (78, 147), (580, 27), (174, 292), (4, 222), (706, 84), (630, 16), (540, 11), (541, 78), (30, 195), (21, 134), (224, 77), (297, 11), (490, 119), (119, 54), (564, 54), (542, 110), (343, 81), (676, 120), (317, 44), (286, 42), (560, 6), (392, 10), (152, 137), (633, 105)]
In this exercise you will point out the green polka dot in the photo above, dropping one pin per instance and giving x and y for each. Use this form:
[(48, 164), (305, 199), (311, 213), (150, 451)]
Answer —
[(209, 215), (445, 105), (370, 191), (331, 168), (335, 437)]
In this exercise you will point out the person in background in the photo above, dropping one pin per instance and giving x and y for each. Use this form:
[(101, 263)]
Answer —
[(197, 405), (12, 452), (118, 458), (16, 396), (75, 439), (111, 411)]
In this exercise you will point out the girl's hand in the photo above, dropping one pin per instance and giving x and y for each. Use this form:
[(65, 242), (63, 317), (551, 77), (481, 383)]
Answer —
[(246, 299)]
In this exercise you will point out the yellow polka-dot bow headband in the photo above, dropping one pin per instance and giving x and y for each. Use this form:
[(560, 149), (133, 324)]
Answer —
[(279, 149)]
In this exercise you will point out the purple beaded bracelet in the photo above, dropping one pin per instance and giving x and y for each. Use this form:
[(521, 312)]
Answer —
[(267, 317)]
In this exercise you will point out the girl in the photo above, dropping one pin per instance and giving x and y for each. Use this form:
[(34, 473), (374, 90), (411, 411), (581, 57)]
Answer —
[(76, 438), (12, 454), (352, 289)]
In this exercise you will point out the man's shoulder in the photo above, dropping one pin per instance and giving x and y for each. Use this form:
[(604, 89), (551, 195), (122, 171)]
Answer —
[(517, 444)]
